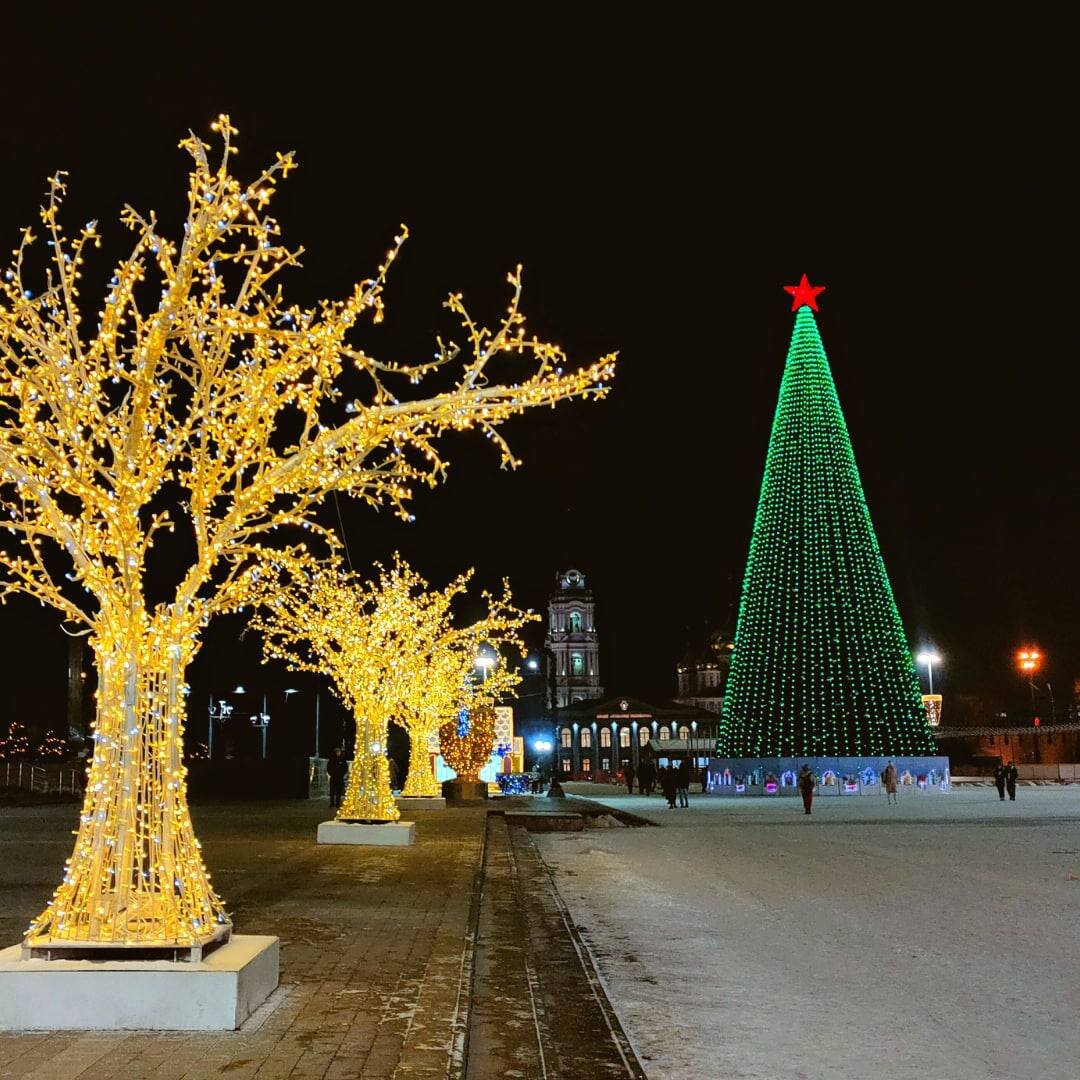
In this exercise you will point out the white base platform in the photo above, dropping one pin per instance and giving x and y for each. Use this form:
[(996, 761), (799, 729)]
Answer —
[(215, 994), (421, 802), (392, 833)]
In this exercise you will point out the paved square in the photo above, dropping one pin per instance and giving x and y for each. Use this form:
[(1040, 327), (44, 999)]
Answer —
[(937, 939), (372, 946)]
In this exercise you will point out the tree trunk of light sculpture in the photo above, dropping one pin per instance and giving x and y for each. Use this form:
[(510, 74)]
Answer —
[(421, 781), (136, 875), (367, 791), (203, 400)]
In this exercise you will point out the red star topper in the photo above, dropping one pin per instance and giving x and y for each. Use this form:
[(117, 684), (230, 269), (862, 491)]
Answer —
[(804, 293)]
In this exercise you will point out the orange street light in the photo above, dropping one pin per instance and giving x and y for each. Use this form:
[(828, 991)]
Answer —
[(1029, 661)]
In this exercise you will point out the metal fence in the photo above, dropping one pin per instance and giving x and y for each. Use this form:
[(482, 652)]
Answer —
[(40, 779)]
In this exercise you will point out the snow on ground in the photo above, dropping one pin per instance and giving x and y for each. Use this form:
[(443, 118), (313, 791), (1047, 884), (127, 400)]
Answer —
[(936, 939)]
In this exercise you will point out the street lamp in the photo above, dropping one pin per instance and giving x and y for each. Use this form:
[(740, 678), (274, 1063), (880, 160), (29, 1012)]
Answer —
[(261, 720), (222, 712), (1028, 662), (929, 657), (485, 663), (543, 746), (555, 790)]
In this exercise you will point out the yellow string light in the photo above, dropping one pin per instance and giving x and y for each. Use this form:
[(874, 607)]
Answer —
[(196, 398)]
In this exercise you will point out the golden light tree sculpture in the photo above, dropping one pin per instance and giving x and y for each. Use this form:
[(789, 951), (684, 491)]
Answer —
[(391, 650), (447, 680), (195, 408)]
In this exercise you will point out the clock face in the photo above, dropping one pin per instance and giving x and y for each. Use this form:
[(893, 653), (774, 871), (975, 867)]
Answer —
[(573, 579)]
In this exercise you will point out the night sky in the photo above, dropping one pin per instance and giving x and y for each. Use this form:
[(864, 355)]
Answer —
[(660, 186)]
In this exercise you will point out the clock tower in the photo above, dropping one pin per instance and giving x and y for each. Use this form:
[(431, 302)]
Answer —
[(572, 643)]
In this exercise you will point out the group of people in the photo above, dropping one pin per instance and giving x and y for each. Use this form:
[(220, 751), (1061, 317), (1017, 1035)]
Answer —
[(807, 782), (1005, 780), (673, 781)]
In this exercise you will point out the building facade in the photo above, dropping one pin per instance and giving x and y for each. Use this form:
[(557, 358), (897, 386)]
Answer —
[(597, 738), (572, 642), (702, 673), (978, 750)]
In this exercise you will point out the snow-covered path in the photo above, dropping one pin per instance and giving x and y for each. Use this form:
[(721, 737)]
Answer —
[(936, 939)]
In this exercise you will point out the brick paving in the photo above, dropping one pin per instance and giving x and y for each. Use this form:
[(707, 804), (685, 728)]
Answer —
[(375, 958)]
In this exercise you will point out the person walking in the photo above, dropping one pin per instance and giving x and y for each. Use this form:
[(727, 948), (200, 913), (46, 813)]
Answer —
[(534, 779), (807, 783), (892, 787), (999, 780), (682, 783), (1010, 781), (392, 766), (628, 776), (337, 768), (667, 786)]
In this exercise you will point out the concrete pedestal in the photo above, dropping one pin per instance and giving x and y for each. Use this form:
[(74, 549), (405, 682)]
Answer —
[(216, 994), (421, 802), (391, 833)]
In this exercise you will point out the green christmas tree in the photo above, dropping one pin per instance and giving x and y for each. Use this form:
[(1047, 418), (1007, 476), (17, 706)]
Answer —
[(821, 666)]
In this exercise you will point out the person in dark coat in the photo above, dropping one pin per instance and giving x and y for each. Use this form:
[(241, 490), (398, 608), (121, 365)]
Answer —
[(806, 787), (704, 781), (999, 781), (392, 766), (682, 783), (628, 776), (667, 786), (1010, 781), (337, 768), (646, 777)]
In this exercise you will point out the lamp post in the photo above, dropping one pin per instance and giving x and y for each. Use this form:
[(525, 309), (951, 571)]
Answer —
[(261, 720), (222, 712), (929, 657), (543, 747), (1028, 662), (555, 790)]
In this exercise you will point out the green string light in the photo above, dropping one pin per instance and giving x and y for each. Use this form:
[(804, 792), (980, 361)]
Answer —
[(821, 665)]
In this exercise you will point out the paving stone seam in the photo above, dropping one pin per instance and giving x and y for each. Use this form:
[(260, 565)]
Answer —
[(459, 1044), (591, 970)]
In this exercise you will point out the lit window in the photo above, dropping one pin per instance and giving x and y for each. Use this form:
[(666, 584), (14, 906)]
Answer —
[(605, 764), (586, 738), (566, 738), (624, 737), (575, 622), (605, 737), (565, 764), (586, 764), (665, 732), (577, 664), (684, 732), (643, 736)]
